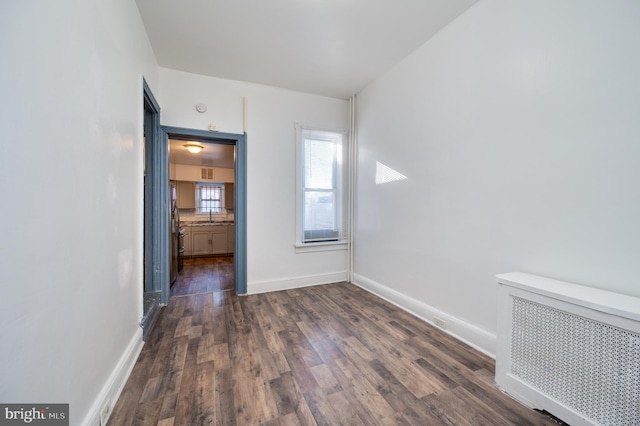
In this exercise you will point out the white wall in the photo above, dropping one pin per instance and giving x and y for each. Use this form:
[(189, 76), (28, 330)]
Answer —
[(271, 259), (71, 184), (518, 127)]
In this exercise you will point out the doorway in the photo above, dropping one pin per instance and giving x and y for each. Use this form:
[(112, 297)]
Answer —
[(203, 204), (154, 231), (232, 221)]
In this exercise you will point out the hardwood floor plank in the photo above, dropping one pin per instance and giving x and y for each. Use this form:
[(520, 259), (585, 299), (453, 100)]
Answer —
[(218, 323), (322, 409), (171, 359), (289, 420), (129, 400), (184, 403), (224, 403), (348, 370), (417, 380), (303, 413), (295, 341), (253, 399), (366, 395), (400, 397), (281, 362), (325, 379), (183, 328), (150, 391), (147, 413), (168, 409), (205, 395), (270, 368), (345, 412), (166, 422), (206, 350), (352, 346), (321, 340), (285, 393), (301, 371)]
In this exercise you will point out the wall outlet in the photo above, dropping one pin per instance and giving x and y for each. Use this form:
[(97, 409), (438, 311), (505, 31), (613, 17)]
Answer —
[(439, 322), (105, 413)]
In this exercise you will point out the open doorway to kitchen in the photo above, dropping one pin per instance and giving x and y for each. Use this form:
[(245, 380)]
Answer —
[(208, 203)]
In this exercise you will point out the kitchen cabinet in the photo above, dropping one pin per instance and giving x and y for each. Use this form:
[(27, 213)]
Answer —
[(208, 240), (223, 175), (231, 238), (186, 195), (185, 172), (203, 240), (229, 196)]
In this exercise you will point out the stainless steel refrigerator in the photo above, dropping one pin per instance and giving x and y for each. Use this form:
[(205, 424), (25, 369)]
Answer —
[(174, 226)]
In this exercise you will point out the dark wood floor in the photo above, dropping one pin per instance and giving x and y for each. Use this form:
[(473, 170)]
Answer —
[(326, 355), (204, 275)]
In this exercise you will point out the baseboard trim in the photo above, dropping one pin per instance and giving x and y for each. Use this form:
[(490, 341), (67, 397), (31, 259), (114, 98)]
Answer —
[(473, 336), (257, 287), (113, 388)]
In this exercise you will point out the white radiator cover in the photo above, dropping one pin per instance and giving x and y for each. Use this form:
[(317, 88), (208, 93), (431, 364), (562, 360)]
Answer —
[(571, 350)]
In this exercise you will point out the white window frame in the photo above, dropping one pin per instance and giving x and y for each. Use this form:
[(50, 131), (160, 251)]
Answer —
[(341, 191)]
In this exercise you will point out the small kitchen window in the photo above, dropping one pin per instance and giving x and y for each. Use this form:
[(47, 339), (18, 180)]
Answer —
[(209, 197)]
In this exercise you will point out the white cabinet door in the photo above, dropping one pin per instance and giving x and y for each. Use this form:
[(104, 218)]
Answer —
[(201, 242), (224, 175), (186, 195), (187, 173), (219, 240), (208, 240)]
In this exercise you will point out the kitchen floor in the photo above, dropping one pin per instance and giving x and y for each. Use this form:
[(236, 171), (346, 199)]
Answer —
[(204, 275)]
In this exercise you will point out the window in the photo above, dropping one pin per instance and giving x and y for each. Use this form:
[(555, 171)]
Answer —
[(209, 197), (321, 193)]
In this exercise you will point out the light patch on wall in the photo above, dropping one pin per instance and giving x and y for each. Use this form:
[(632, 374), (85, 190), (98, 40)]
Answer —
[(385, 174), (125, 267)]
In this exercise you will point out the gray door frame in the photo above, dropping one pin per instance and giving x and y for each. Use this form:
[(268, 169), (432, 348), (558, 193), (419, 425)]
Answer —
[(240, 211), (156, 222)]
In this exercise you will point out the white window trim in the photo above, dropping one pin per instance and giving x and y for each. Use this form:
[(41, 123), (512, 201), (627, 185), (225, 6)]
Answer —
[(222, 198), (342, 243)]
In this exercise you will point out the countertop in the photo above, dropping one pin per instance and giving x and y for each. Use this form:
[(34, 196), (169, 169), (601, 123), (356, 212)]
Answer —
[(207, 223)]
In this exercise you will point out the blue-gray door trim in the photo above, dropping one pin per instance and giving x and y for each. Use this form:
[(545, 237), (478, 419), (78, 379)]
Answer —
[(156, 222), (240, 212)]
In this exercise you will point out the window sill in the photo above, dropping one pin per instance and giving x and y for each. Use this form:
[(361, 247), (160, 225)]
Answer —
[(321, 246)]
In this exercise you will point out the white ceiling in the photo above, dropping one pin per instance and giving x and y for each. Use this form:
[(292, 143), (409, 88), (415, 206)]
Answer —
[(328, 47), (213, 155)]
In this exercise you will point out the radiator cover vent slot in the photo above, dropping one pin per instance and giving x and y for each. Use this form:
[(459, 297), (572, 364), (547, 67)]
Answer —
[(564, 355)]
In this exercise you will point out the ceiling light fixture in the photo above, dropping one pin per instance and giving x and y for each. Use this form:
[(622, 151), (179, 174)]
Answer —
[(194, 147)]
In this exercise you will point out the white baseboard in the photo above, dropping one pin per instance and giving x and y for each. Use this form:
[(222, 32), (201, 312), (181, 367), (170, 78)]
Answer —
[(296, 282), (118, 378), (473, 336)]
